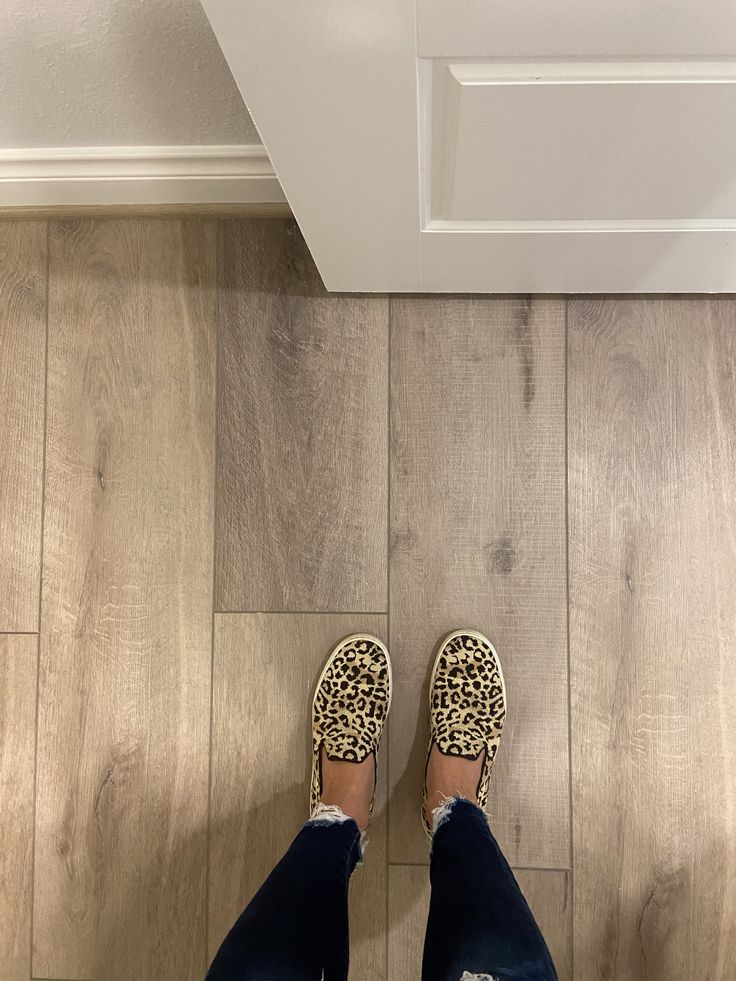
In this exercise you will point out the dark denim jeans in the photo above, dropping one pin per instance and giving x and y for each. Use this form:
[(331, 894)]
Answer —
[(296, 926)]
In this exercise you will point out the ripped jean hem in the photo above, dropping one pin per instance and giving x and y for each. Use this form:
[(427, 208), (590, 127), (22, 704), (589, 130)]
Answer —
[(441, 814), (325, 815)]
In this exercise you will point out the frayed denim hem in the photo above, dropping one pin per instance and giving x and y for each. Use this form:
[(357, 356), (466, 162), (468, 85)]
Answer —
[(325, 815), (442, 812)]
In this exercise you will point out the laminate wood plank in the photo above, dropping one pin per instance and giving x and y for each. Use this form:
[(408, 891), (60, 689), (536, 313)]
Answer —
[(652, 458), (261, 761), (547, 891), (478, 540), (127, 602), (22, 351), (181, 210), (302, 481), (17, 750)]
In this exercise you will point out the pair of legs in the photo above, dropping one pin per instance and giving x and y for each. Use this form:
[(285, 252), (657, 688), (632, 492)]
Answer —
[(479, 925)]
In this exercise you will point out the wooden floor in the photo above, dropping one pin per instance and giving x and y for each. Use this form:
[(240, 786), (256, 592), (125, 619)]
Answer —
[(211, 470)]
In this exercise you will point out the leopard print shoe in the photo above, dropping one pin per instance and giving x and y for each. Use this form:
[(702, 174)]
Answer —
[(350, 707), (467, 705)]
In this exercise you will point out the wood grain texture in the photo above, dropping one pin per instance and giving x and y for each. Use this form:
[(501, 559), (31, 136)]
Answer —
[(261, 759), (22, 351), (17, 750), (652, 459), (23, 213), (478, 540), (547, 891), (302, 431), (127, 602)]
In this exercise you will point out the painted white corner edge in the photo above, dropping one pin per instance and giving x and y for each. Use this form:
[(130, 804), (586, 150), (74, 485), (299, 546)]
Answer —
[(138, 175)]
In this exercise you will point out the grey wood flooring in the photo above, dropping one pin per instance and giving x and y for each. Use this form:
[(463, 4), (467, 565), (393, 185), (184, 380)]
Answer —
[(212, 469)]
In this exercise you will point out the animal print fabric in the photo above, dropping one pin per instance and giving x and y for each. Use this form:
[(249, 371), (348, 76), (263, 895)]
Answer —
[(467, 704), (350, 705)]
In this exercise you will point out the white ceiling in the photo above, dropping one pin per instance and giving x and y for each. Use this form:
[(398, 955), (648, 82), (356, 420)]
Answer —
[(115, 73)]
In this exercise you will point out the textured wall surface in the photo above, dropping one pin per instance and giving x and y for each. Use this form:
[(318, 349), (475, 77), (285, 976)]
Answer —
[(115, 73)]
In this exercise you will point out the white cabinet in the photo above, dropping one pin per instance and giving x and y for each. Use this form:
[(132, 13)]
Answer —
[(499, 146)]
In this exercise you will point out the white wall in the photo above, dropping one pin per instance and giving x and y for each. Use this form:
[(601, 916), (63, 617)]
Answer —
[(101, 73)]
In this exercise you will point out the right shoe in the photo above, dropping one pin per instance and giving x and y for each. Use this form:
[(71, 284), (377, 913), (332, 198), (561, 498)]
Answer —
[(467, 706)]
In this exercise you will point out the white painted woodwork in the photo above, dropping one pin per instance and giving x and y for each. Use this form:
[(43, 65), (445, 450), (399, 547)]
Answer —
[(132, 175), (334, 85), (426, 145), (623, 29), (583, 143)]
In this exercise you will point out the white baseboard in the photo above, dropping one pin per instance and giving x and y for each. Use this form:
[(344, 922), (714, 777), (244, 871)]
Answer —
[(137, 176)]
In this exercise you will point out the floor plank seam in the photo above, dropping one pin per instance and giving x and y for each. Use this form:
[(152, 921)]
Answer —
[(218, 245), (388, 610), (515, 868), (31, 925), (302, 613), (567, 629)]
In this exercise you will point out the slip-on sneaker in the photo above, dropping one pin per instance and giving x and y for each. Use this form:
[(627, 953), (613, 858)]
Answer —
[(350, 706), (467, 705)]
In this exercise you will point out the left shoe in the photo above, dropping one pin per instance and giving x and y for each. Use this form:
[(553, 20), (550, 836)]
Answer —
[(467, 706), (350, 707)]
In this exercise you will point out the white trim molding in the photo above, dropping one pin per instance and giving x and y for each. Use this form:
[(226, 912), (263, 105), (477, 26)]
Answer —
[(137, 175)]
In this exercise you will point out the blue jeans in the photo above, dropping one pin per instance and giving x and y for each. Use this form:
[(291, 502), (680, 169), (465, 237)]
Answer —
[(296, 926)]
